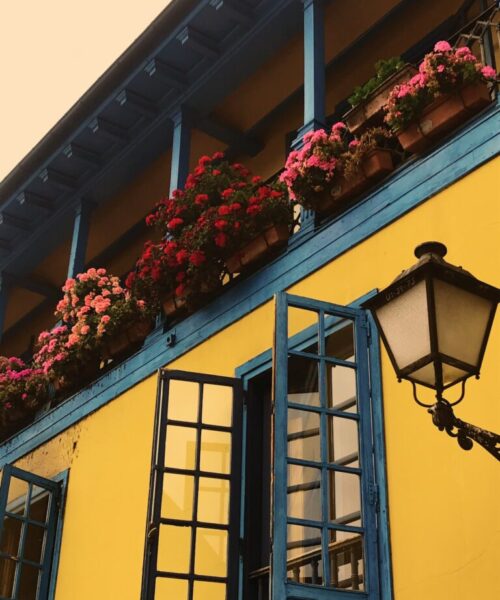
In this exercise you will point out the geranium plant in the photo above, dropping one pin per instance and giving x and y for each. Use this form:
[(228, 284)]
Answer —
[(441, 72), (23, 390), (358, 149), (313, 168), (384, 68)]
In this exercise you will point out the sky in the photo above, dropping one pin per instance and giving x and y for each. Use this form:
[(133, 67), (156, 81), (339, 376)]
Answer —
[(51, 52)]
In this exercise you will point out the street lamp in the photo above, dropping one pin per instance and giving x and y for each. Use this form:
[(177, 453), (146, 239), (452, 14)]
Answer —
[(435, 320)]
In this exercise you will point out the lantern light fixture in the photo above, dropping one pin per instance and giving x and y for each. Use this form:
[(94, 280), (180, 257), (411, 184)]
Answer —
[(434, 320)]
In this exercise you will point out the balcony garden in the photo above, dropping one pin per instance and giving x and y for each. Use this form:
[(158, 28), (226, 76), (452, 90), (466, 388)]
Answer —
[(225, 223)]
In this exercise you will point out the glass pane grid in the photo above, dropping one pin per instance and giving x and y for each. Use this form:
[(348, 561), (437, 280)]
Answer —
[(324, 532), (196, 471)]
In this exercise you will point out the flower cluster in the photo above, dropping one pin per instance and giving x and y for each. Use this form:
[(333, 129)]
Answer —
[(441, 72), (314, 166), (371, 139), (220, 209), (22, 389)]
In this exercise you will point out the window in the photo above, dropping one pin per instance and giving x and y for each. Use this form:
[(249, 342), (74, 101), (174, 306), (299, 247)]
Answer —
[(30, 529), (323, 465), (193, 520)]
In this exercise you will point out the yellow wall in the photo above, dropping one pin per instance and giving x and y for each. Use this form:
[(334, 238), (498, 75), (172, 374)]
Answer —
[(443, 501)]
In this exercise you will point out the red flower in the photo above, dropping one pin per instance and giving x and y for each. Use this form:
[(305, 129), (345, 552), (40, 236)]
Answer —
[(216, 172), (224, 210), (179, 290), (221, 240), (129, 282), (227, 193), (180, 276), (235, 206), (255, 209), (175, 222), (177, 194), (156, 273), (197, 258), (199, 170), (182, 256), (256, 179), (217, 155), (201, 198), (204, 160), (276, 194), (170, 247), (220, 224), (150, 219)]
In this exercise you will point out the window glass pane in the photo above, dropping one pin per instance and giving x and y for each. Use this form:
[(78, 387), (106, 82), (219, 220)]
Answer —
[(170, 589), (177, 498), (300, 319), (215, 451), (211, 552), (180, 447), (217, 405), (303, 435), (205, 590), (28, 586), (340, 343), (345, 497), (341, 386), (304, 493), (346, 560), (183, 400), (7, 571), (33, 546), (17, 496), (343, 441), (174, 548), (40, 505), (304, 560), (303, 381), (10, 536), (213, 500)]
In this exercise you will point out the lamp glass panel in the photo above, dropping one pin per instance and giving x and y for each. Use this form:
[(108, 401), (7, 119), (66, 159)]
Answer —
[(405, 323), (461, 319)]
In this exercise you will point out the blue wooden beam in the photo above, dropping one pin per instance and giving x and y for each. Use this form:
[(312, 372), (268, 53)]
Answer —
[(137, 103), (234, 9), (80, 238), (109, 130), (170, 75), (59, 180), (4, 291), (198, 41), (88, 157), (314, 86), (181, 147)]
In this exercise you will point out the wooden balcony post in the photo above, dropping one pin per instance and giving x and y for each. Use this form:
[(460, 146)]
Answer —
[(314, 86), (180, 149), (3, 303), (79, 241)]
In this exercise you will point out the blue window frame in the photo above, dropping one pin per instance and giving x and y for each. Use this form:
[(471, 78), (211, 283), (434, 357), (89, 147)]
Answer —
[(30, 533), (195, 487), (326, 543)]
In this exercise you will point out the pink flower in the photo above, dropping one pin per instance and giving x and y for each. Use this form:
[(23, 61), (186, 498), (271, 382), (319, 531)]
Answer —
[(353, 144), (488, 72), (463, 51), (105, 319), (442, 47), (84, 330), (440, 68)]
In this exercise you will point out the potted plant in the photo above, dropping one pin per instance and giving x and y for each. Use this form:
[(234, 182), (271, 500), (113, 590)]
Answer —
[(368, 100), (451, 86), (67, 356), (99, 308), (329, 169), (23, 390)]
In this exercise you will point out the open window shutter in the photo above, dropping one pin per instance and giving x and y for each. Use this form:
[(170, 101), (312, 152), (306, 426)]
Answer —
[(192, 538), (19, 491), (324, 509)]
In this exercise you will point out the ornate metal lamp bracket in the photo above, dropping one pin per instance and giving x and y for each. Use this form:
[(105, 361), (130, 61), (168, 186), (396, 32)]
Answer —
[(445, 420)]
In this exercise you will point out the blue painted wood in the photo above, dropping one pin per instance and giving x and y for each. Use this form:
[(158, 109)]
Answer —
[(280, 428), (411, 185), (62, 479), (314, 64), (79, 241), (4, 292), (377, 402), (181, 145)]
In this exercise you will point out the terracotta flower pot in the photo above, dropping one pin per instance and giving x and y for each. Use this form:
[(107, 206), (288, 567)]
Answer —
[(371, 110), (443, 115), (128, 338), (375, 165), (257, 248)]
